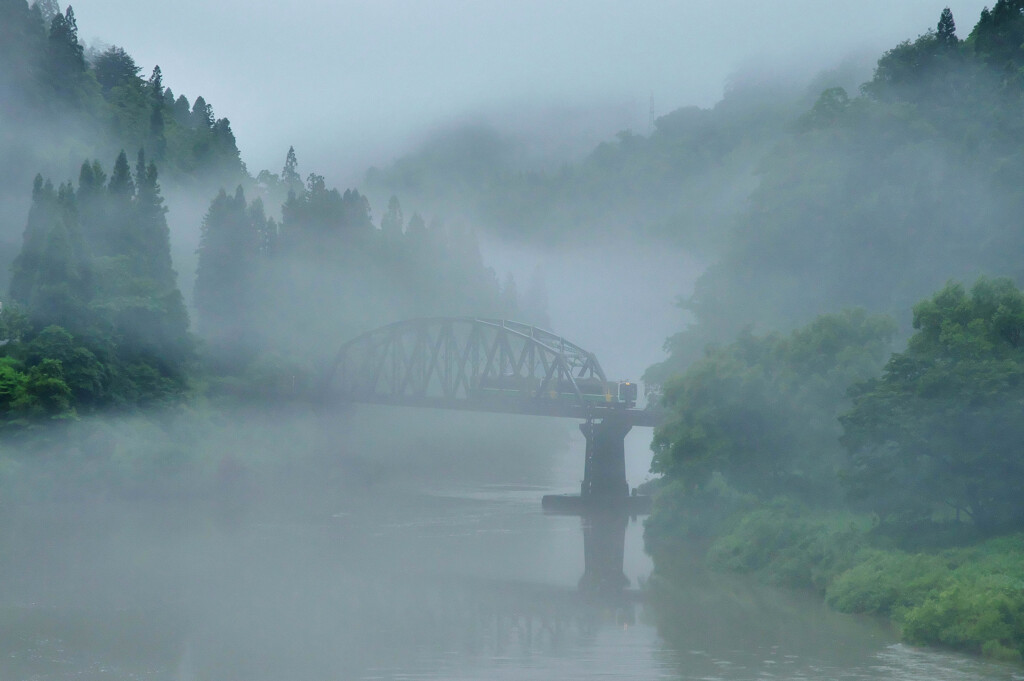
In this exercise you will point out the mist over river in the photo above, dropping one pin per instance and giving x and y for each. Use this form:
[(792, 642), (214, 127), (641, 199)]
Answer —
[(438, 578)]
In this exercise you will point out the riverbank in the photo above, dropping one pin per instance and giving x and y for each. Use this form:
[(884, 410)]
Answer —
[(940, 589)]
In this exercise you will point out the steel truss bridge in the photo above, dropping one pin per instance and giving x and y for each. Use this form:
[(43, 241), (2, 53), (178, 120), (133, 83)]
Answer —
[(497, 366), (477, 365)]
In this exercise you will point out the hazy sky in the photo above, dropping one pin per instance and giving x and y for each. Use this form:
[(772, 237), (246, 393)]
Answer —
[(352, 82)]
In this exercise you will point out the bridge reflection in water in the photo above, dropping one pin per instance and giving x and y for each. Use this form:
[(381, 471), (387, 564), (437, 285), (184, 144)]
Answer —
[(539, 616)]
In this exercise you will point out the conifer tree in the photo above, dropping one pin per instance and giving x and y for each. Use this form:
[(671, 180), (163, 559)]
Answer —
[(115, 68), (121, 184), (225, 275), (266, 229), (92, 203), (158, 141), (152, 236), (52, 275), (224, 146), (182, 112), (290, 177), (65, 55), (946, 31), (393, 221), (41, 217), (202, 114), (116, 236)]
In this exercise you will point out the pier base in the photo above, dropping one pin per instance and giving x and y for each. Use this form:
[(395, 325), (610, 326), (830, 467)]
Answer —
[(604, 485)]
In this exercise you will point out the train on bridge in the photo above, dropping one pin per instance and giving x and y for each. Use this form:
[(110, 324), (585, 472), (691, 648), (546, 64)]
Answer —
[(592, 391)]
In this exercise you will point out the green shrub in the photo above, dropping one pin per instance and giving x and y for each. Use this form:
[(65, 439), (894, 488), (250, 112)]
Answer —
[(984, 617), (982, 608), (787, 546), (886, 582)]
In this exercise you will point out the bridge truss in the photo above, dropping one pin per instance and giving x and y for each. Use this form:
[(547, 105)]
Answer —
[(473, 364)]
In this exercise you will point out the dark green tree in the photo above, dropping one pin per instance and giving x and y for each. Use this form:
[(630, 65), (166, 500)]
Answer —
[(157, 138), (226, 275), (946, 29), (290, 177), (116, 238), (92, 203), (761, 412), (202, 114), (84, 374), (62, 284), (940, 431), (392, 222), (116, 68), (65, 55), (42, 215), (46, 394), (182, 112), (151, 234)]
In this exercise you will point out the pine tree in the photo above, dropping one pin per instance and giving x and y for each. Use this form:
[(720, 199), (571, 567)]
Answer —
[(65, 55), (92, 203), (946, 32), (52, 275), (115, 68), (266, 229), (116, 237), (23, 45), (158, 141), (225, 275), (41, 217), (290, 177), (182, 112), (202, 114), (225, 147), (392, 221), (152, 254), (121, 184)]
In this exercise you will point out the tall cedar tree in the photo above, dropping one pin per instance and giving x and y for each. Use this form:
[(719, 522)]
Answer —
[(65, 55), (157, 140), (946, 30), (225, 286)]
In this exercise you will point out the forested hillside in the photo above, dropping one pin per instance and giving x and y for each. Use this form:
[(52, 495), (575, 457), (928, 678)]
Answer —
[(93, 316), (800, 446)]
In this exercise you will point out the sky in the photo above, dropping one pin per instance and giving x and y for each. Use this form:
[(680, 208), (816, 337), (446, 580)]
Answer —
[(353, 83)]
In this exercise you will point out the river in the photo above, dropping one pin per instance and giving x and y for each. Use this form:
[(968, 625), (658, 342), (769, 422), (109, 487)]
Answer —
[(413, 580)]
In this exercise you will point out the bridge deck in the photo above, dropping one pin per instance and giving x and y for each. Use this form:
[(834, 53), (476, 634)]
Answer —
[(634, 417)]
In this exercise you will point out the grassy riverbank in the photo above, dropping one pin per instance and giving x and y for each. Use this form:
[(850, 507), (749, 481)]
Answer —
[(946, 591)]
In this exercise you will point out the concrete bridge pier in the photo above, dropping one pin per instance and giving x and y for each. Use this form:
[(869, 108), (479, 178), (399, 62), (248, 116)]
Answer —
[(604, 472), (604, 486)]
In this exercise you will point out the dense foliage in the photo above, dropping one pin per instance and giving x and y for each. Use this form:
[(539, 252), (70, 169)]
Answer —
[(683, 183), (325, 272), (63, 102), (942, 427), (761, 412), (103, 318), (967, 598), (873, 200), (93, 320)]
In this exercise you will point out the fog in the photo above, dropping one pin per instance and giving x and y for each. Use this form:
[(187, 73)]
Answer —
[(188, 490), (370, 78)]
